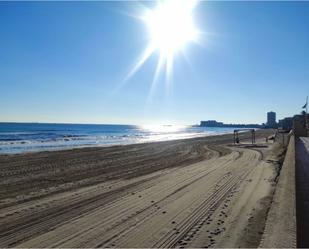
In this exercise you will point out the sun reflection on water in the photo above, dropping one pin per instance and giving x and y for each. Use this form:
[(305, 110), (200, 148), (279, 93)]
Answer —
[(163, 128)]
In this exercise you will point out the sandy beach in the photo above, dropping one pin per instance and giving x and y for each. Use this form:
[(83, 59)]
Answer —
[(201, 192)]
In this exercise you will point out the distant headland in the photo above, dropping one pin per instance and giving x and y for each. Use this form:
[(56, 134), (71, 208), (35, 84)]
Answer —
[(214, 123)]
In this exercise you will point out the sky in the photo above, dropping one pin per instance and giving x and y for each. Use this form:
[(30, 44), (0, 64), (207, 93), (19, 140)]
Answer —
[(70, 61)]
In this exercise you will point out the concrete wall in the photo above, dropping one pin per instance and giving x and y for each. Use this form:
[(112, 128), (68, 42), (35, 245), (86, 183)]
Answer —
[(280, 228)]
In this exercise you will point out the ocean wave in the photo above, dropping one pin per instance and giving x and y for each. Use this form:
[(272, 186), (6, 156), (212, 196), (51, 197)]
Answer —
[(64, 136)]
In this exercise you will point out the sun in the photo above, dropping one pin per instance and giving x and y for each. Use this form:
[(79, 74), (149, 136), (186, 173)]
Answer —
[(170, 26)]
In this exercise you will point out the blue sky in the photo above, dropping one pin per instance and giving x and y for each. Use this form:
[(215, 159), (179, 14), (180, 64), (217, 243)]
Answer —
[(66, 61)]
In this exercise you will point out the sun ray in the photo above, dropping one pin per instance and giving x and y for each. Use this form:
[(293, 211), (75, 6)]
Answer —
[(147, 53), (143, 58), (156, 76), (169, 73)]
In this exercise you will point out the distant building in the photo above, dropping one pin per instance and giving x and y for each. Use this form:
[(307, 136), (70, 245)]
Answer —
[(286, 123), (300, 125), (271, 120), (298, 120)]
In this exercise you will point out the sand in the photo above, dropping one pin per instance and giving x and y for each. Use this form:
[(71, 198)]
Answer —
[(201, 192)]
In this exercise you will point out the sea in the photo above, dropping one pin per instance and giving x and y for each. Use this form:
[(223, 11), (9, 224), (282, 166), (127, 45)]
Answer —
[(33, 137)]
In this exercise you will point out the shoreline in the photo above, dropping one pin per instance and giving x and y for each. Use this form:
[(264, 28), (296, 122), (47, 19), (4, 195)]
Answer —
[(24, 138), (92, 146), (68, 148)]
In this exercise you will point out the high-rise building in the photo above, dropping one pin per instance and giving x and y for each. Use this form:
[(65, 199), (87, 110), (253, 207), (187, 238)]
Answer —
[(271, 119)]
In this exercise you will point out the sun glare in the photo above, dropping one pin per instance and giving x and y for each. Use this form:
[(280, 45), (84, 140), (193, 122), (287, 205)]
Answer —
[(170, 27)]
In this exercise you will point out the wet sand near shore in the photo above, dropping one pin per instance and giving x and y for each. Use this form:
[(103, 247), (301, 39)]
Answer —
[(200, 192)]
